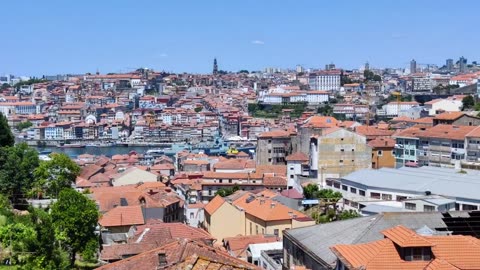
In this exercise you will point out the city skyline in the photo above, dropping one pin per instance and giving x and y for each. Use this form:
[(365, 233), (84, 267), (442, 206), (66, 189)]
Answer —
[(185, 37)]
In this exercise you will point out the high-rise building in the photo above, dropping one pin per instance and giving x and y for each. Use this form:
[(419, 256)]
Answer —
[(215, 66), (330, 66), (462, 64), (325, 80), (413, 66), (449, 64), (299, 69)]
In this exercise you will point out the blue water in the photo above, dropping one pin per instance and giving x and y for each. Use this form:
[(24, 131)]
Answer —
[(106, 151)]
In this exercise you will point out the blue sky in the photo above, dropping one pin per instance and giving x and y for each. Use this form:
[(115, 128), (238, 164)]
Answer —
[(50, 37)]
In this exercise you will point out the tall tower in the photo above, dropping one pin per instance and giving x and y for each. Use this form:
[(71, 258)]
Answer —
[(413, 66), (462, 64), (215, 66), (449, 64)]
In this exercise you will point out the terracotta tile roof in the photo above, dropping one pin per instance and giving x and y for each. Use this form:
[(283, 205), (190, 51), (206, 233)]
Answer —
[(195, 162), (451, 132), (214, 204), (88, 171), (405, 237), (276, 169), (265, 209), (123, 216), (181, 254), (298, 156), (237, 246), (275, 134), (318, 121), (382, 142), (274, 181), (373, 131), (474, 133), (424, 120), (449, 252), (234, 164), (449, 115)]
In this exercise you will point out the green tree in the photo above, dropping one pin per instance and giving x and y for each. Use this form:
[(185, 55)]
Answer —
[(6, 136), (348, 214), (198, 109), (4, 86), (17, 166), (17, 240), (24, 125), (377, 78), (310, 191), (468, 102), (243, 71), (56, 174), (224, 192), (74, 220)]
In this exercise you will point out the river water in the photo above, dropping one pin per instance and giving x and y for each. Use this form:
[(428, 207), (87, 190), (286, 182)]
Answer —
[(106, 151)]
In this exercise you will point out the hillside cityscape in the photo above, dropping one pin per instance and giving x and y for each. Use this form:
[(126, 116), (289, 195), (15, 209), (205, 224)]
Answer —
[(276, 168)]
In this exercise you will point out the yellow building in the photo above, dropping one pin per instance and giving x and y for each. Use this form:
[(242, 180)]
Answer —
[(245, 213)]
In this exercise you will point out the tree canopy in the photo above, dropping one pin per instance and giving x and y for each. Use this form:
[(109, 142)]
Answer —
[(468, 102), (56, 174), (74, 220), (223, 192), (6, 136), (17, 165)]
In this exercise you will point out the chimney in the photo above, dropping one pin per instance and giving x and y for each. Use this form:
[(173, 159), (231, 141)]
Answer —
[(162, 258), (272, 205)]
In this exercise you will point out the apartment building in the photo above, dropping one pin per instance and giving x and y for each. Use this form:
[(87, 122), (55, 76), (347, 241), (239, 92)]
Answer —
[(328, 80), (338, 152), (456, 118), (383, 154), (472, 145), (273, 147), (392, 109), (245, 213)]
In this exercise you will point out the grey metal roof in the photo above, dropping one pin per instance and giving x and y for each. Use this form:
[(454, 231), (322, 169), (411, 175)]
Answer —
[(378, 208), (319, 238), (440, 181)]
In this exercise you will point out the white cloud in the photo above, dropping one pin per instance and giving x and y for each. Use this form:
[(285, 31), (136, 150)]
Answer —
[(160, 55), (258, 42)]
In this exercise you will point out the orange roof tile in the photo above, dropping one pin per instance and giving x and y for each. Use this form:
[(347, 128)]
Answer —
[(298, 156), (406, 237), (214, 204), (123, 216), (449, 115)]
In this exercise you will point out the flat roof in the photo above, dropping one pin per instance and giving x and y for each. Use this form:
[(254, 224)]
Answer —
[(439, 181)]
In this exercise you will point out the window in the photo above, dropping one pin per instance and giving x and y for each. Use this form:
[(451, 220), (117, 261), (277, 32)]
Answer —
[(353, 190), (275, 232), (329, 183), (250, 228), (418, 254), (387, 197), (379, 153), (291, 176), (353, 150), (336, 184), (344, 187), (209, 192), (256, 229), (341, 161), (469, 207), (269, 151), (401, 198), (361, 192), (428, 208), (412, 152), (269, 141), (342, 150), (269, 160), (191, 215), (374, 195), (410, 206), (220, 181), (229, 180)]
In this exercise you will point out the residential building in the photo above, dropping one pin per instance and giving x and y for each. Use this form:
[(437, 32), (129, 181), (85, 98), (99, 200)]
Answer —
[(456, 118), (383, 152), (298, 164), (310, 246), (472, 145), (181, 254), (407, 249), (328, 80), (449, 64), (450, 104), (245, 213), (133, 176), (273, 147), (338, 152), (237, 246), (393, 108)]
